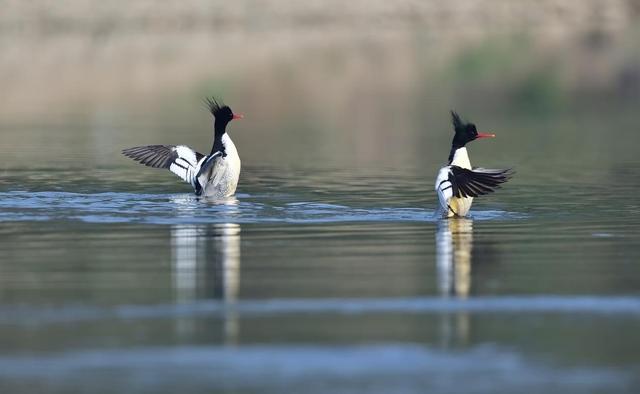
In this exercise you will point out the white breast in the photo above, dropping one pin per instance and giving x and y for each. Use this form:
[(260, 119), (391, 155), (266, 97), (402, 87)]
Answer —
[(229, 146), (461, 158), (225, 173)]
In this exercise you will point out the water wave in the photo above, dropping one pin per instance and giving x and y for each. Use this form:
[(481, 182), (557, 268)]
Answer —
[(186, 209), (627, 307), (391, 367)]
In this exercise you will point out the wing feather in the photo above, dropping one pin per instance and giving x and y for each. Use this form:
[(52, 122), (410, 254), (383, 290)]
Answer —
[(476, 182), (179, 159), (443, 187)]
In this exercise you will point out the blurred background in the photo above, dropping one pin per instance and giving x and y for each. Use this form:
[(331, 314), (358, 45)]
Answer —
[(358, 84), (330, 271)]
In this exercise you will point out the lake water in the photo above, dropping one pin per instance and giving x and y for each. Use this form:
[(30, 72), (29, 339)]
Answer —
[(329, 271), (316, 279)]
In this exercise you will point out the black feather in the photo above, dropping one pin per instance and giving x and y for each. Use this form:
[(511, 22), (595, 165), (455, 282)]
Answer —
[(214, 105), (476, 182), (158, 156), (458, 124)]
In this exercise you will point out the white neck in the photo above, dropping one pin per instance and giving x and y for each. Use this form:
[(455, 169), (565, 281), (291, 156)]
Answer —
[(461, 158), (229, 146)]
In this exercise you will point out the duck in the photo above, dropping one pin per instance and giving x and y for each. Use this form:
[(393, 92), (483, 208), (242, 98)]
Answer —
[(457, 183), (214, 175)]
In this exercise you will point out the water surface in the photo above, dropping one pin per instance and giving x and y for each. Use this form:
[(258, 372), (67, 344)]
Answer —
[(313, 280)]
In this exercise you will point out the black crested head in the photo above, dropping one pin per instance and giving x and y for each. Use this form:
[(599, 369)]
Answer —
[(464, 131), (218, 109), (222, 114)]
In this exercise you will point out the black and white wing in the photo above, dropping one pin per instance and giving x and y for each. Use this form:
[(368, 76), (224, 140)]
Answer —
[(454, 181), (444, 187), (179, 159)]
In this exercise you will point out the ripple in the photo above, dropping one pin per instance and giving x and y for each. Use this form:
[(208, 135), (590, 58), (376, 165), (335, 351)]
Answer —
[(115, 207), (627, 307), (390, 367)]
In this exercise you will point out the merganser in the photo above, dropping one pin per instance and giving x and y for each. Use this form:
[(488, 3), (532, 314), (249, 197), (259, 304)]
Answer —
[(458, 183), (214, 175)]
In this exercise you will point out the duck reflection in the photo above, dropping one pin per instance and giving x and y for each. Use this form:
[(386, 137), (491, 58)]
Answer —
[(454, 245), (206, 261), (206, 265)]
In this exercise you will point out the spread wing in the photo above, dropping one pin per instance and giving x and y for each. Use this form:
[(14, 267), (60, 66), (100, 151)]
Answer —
[(179, 159), (476, 182), (202, 174)]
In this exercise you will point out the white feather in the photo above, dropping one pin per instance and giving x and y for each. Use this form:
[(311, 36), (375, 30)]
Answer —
[(461, 158), (179, 171), (444, 188), (458, 205), (187, 154), (222, 178), (185, 166)]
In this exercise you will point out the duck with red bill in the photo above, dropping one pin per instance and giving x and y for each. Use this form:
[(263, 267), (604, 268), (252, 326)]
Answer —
[(458, 183), (486, 135), (214, 175)]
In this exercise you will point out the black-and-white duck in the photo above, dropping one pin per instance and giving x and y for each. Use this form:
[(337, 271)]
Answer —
[(214, 175), (458, 183)]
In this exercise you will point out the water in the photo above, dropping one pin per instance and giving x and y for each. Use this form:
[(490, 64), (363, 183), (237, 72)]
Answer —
[(330, 270), (314, 280)]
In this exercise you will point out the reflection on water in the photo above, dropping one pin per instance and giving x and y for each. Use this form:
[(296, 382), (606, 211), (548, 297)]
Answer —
[(179, 313), (206, 264), (206, 261), (206, 257), (454, 245)]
